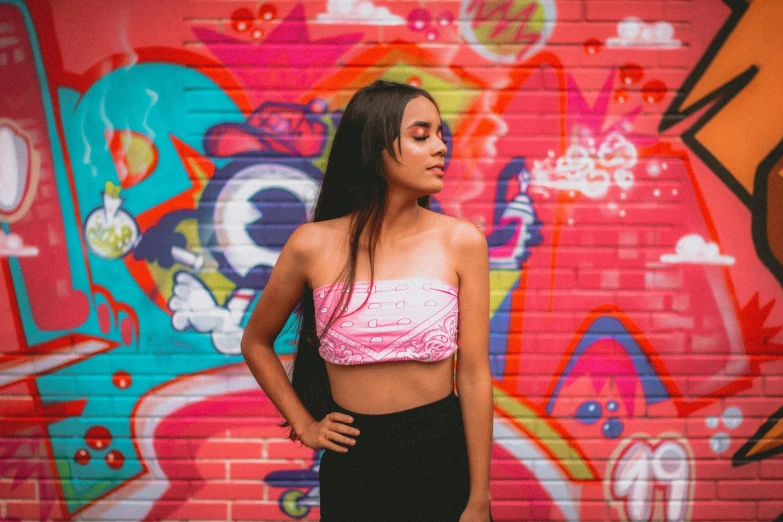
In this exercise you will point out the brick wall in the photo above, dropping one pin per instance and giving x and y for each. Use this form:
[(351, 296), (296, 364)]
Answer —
[(622, 158)]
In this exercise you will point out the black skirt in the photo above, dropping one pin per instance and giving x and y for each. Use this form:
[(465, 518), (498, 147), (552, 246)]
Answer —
[(409, 466)]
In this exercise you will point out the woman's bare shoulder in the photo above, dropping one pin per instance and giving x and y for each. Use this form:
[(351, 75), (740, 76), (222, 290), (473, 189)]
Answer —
[(314, 236), (459, 233), (316, 243), (464, 243)]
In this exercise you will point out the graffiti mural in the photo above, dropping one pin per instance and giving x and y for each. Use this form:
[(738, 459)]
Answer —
[(622, 158)]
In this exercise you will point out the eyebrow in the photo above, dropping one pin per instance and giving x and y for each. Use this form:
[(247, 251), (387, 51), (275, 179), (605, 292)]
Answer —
[(425, 124)]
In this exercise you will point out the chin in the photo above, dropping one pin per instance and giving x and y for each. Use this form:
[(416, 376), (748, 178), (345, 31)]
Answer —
[(434, 190), (436, 187)]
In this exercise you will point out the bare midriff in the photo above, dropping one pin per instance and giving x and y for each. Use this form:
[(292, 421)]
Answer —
[(387, 387)]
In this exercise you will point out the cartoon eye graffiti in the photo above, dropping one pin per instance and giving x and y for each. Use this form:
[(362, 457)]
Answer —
[(589, 412), (256, 210), (612, 428)]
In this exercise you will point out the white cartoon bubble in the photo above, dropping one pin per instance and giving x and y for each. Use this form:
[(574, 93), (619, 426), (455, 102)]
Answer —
[(12, 245), (732, 417), (720, 442), (338, 11), (634, 32), (692, 248), (590, 173)]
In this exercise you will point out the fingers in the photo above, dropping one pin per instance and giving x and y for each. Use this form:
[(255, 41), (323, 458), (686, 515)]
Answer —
[(336, 416), (334, 431), (344, 429), (326, 443), (341, 439)]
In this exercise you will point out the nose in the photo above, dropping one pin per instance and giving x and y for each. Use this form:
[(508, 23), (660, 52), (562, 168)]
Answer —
[(440, 148)]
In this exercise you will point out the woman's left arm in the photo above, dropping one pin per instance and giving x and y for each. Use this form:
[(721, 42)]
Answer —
[(474, 380)]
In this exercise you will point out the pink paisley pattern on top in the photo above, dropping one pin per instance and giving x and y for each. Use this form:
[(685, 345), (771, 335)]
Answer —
[(412, 319)]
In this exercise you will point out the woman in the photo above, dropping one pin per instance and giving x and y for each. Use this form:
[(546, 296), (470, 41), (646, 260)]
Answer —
[(384, 286)]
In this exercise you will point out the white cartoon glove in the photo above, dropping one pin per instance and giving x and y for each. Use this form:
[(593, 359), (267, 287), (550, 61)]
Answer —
[(194, 306)]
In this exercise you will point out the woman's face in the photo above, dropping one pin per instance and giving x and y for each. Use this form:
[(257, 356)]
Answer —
[(419, 167)]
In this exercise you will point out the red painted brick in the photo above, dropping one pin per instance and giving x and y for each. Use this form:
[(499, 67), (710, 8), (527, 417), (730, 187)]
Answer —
[(257, 470), (17, 489), (720, 469), (748, 490), (195, 469), (231, 449), (769, 510), (287, 449), (511, 510), (595, 511), (715, 511), (231, 490), (174, 448), (648, 301), (649, 10), (30, 510), (773, 385), (771, 469)]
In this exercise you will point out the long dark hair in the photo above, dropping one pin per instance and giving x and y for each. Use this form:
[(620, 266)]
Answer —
[(353, 184)]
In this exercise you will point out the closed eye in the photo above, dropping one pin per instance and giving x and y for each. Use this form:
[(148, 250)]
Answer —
[(424, 138)]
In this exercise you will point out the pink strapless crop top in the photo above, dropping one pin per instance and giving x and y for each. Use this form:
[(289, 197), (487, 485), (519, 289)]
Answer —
[(412, 319)]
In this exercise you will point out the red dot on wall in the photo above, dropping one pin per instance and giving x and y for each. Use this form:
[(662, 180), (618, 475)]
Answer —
[(82, 456), (445, 18), (630, 73), (620, 95), (121, 379), (592, 46), (126, 330), (419, 19), (257, 34), (104, 321), (654, 91), (114, 459), (98, 437), (242, 19), (414, 81), (267, 12)]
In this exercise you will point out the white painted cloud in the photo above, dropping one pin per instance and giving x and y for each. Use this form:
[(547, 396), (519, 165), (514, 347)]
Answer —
[(588, 170), (11, 245), (633, 32), (358, 11), (692, 248)]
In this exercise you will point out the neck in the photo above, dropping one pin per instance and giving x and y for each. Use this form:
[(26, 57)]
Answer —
[(402, 217)]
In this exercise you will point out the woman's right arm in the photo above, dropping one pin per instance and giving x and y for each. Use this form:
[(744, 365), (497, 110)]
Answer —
[(278, 299)]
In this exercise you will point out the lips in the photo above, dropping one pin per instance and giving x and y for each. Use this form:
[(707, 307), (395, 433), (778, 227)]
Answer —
[(437, 168)]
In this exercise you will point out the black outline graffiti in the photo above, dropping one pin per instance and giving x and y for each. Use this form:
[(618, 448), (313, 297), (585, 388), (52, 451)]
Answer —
[(719, 99), (759, 217), (741, 457)]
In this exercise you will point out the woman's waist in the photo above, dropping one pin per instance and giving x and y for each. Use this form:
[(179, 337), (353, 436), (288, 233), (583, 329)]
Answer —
[(387, 387), (432, 419)]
